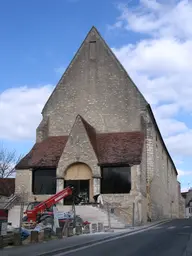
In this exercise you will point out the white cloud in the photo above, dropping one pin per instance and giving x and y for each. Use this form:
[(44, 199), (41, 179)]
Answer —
[(159, 68), (184, 189), (170, 18), (20, 111), (171, 127), (180, 144), (178, 161), (166, 110), (160, 64), (184, 173)]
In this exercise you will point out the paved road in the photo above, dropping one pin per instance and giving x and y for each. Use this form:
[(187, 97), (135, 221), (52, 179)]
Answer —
[(165, 240)]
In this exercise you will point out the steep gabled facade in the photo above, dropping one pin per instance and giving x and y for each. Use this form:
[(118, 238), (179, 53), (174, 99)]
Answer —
[(95, 86), (98, 132)]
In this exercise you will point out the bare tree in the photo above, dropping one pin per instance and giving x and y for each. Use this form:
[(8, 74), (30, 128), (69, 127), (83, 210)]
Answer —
[(8, 161)]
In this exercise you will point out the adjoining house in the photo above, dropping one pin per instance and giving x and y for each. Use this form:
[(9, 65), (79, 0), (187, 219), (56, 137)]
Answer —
[(188, 203), (181, 203), (99, 134), (7, 188)]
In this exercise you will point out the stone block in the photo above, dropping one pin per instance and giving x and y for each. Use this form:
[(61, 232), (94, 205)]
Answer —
[(1, 241), (47, 234), (78, 230), (100, 227), (86, 229), (94, 227), (106, 228), (65, 229), (70, 231), (59, 233), (17, 239), (34, 236), (41, 236)]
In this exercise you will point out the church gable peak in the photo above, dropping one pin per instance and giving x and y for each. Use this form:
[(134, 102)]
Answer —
[(92, 49)]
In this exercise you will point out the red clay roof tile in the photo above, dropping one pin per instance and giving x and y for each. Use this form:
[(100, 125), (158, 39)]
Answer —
[(44, 154), (120, 148), (110, 148)]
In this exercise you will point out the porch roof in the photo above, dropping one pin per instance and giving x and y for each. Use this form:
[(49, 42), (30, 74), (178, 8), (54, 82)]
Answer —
[(110, 148)]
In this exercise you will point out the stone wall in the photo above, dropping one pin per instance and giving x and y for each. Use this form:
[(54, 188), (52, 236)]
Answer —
[(182, 208), (137, 196), (98, 89), (79, 150), (161, 177), (23, 182), (23, 186)]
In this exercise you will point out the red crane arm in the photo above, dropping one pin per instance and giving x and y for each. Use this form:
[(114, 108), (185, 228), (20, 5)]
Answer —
[(32, 214)]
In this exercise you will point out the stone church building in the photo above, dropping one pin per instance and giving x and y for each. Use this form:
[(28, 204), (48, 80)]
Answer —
[(99, 133)]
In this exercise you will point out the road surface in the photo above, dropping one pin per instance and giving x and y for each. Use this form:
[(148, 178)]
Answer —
[(169, 239)]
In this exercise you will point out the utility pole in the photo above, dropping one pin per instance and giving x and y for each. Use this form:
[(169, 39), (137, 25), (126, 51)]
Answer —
[(74, 212), (133, 215), (108, 215)]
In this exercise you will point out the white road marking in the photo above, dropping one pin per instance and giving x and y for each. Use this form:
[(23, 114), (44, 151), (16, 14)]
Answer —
[(186, 227), (102, 242), (172, 227)]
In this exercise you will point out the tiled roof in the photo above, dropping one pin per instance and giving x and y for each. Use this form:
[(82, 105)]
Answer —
[(110, 148), (44, 154), (120, 148), (7, 186), (184, 194)]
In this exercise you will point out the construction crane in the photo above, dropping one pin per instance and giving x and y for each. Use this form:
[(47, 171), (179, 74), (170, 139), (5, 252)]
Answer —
[(41, 210)]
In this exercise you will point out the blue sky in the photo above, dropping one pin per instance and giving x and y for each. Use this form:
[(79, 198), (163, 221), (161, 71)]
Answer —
[(39, 38)]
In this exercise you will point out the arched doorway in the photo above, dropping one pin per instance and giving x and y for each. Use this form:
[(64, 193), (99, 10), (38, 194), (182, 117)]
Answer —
[(80, 176)]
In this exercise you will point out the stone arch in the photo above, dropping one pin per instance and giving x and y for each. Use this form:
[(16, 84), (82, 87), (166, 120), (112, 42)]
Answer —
[(80, 171), (77, 171)]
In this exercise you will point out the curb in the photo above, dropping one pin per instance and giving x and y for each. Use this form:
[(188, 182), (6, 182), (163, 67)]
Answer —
[(74, 247)]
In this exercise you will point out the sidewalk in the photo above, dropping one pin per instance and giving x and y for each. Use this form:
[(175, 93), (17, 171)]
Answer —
[(75, 242)]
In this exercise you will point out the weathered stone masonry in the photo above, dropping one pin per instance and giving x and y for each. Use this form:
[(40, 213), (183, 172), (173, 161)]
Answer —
[(92, 112)]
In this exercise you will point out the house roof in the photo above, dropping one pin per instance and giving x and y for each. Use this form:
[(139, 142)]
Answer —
[(184, 194), (120, 148), (7, 186), (110, 148), (44, 154)]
